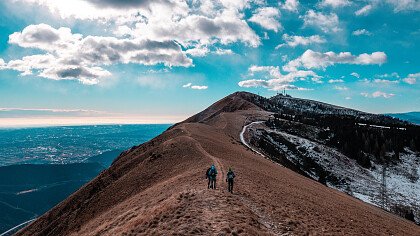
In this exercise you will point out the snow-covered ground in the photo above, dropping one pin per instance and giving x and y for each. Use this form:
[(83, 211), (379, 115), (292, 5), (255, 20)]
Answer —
[(402, 182)]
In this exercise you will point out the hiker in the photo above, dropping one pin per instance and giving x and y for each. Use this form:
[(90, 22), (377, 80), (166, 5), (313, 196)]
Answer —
[(208, 177), (229, 178), (212, 174)]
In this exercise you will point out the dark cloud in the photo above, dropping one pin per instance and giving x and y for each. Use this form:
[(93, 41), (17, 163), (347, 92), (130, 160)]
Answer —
[(72, 72), (42, 35)]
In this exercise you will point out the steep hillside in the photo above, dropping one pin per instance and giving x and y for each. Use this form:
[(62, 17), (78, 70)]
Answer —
[(158, 188)]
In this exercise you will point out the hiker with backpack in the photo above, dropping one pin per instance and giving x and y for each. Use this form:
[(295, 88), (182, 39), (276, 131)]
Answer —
[(208, 177), (211, 174), (229, 178)]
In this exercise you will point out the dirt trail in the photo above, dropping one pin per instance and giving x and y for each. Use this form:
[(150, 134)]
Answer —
[(216, 161)]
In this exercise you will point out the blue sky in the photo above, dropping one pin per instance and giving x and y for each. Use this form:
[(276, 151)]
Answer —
[(161, 61)]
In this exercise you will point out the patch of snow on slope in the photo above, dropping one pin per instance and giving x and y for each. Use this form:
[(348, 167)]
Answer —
[(402, 179)]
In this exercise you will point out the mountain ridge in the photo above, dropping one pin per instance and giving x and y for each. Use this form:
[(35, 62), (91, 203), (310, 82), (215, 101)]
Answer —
[(159, 188)]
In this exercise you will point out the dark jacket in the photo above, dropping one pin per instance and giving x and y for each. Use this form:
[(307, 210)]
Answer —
[(230, 176)]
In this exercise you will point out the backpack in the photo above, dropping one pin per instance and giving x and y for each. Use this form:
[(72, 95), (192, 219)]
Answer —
[(230, 175), (212, 172)]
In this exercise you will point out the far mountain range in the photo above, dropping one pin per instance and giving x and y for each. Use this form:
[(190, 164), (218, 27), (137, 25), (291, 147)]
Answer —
[(413, 117)]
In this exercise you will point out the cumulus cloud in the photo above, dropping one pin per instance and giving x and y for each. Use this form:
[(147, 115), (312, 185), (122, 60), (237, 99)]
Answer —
[(377, 94), (196, 87), (225, 28), (361, 32), (294, 40), (290, 5), (334, 3), (315, 60), (268, 18), (188, 23), (44, 37), (410, 79), (111, 10), (124, 4), (72, 56), (271, 78), (221, 51), (326, 22), (200, 51), (364, 10)]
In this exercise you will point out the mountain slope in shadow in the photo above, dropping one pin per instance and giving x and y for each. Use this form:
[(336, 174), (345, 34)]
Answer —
[(30, 190)]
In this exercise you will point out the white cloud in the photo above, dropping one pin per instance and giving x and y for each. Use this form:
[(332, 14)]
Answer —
[(404, 5), (196, 87), (341, 88), (364, 10), (74, 57), (290, 5), (412, 78), (315, 60), (110, 10), (326, 22), (45, 37), (391, 75), (187, 85), (253, 83), (271, 78), (355, 75), (225, 28), (294, 40), (200, 51), (199, 87), (377, 94), (334, 3), (361, 32), (221, 51), (332, 81), (385, 81), (268, 18), (188, 23)]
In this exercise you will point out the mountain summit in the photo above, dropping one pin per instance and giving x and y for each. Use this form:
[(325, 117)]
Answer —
[(159, 187)]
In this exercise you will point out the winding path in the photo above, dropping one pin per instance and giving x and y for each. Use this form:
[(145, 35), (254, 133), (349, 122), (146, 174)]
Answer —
[(241, 136)]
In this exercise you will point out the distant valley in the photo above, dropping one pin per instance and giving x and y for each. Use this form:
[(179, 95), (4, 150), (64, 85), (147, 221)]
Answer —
[(29, 190), (52, 163)]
